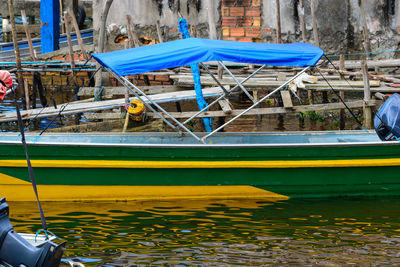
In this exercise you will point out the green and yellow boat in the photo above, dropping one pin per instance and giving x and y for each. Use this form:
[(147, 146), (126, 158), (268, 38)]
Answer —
[(236, 165), (116, 166)]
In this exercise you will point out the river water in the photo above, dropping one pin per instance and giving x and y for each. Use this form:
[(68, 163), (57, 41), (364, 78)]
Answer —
[(323, 232)]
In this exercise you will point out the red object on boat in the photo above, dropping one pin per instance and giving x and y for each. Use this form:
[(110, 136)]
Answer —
[(6, 82), (396, 85)]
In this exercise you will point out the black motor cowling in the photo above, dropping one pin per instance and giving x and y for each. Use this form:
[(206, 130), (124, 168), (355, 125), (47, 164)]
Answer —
[(16, 251), (387, 119)]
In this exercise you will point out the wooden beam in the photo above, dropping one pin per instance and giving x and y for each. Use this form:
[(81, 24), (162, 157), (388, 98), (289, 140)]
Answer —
[(342, 112), (286, 99), (367, 96), (226, 107), (314, 21), (78, 33), (253, 112), (277, 110), (278, 21), (186, 81), (28, 35), (159, 32), (302, 20), (68, 31), (119, 90), (102, 33), (73, 108), (367, 43), (212, 28)]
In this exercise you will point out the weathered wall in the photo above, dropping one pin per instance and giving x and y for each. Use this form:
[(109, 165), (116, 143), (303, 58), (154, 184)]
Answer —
[(339, 23), (145, 13)]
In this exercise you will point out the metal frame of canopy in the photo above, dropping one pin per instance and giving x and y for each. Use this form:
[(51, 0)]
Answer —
[(141, 95)]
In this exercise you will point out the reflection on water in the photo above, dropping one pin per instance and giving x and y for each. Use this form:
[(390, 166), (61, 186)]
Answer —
[(223, 232)]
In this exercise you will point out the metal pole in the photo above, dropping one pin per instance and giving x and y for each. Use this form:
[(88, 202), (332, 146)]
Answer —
[(237, 81), (126, 82), (144, 102), (160, 108), (255, 104), (223, 95), (215, 78)]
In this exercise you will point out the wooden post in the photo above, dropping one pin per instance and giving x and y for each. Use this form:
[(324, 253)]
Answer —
[(70, 49), (314, 21), (159, 33), (133, 40), (367, 96), (50, 30), (302, 21), (78, 33), (102, 29), (62, 14), (28, 35), (367, 44), (16, 49), (132, 37), (71, 4), (278, 21), (342, 112), (26, 90), (212, 28)]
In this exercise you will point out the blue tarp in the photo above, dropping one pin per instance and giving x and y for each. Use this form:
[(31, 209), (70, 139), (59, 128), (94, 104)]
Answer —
[(190, 51)]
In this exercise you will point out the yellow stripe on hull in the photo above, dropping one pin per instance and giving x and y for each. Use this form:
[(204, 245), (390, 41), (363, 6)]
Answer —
[(24, 192), (202, 164)]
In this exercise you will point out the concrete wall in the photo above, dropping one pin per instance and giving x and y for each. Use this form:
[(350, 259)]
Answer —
[(145, 13), (339, 24)]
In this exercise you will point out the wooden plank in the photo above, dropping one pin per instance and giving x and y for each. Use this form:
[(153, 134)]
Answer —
[(208, 81), (286, 99), (383, 63), (256, 111), (102, 105), (120, 90), (275, 110), (226, 107)]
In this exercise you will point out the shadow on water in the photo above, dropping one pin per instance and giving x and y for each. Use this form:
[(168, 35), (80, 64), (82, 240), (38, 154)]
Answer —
[(249, 232)]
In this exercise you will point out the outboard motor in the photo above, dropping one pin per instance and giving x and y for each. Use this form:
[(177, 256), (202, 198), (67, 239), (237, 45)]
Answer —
[(387, 120), (16, 251)]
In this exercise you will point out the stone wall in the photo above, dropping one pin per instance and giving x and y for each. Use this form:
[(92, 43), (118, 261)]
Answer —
[(339, 23)]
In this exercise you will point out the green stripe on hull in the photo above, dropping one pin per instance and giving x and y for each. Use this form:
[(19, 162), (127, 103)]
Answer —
[(293, 182)]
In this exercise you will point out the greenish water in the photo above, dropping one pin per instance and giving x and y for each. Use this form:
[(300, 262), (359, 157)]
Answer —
[(221, 233)]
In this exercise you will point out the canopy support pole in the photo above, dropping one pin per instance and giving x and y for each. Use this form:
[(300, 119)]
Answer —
[(224, 95), (237, 81), (214, 78), (255, 104), (125, 82)]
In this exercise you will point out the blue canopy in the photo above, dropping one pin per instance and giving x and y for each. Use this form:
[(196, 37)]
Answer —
[(190, 51)]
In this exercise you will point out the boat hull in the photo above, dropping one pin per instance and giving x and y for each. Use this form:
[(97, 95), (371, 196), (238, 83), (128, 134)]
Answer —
[(104, 171)]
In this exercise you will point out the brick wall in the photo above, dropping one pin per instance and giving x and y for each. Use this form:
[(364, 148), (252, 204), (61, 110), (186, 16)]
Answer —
[(241, 20)]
